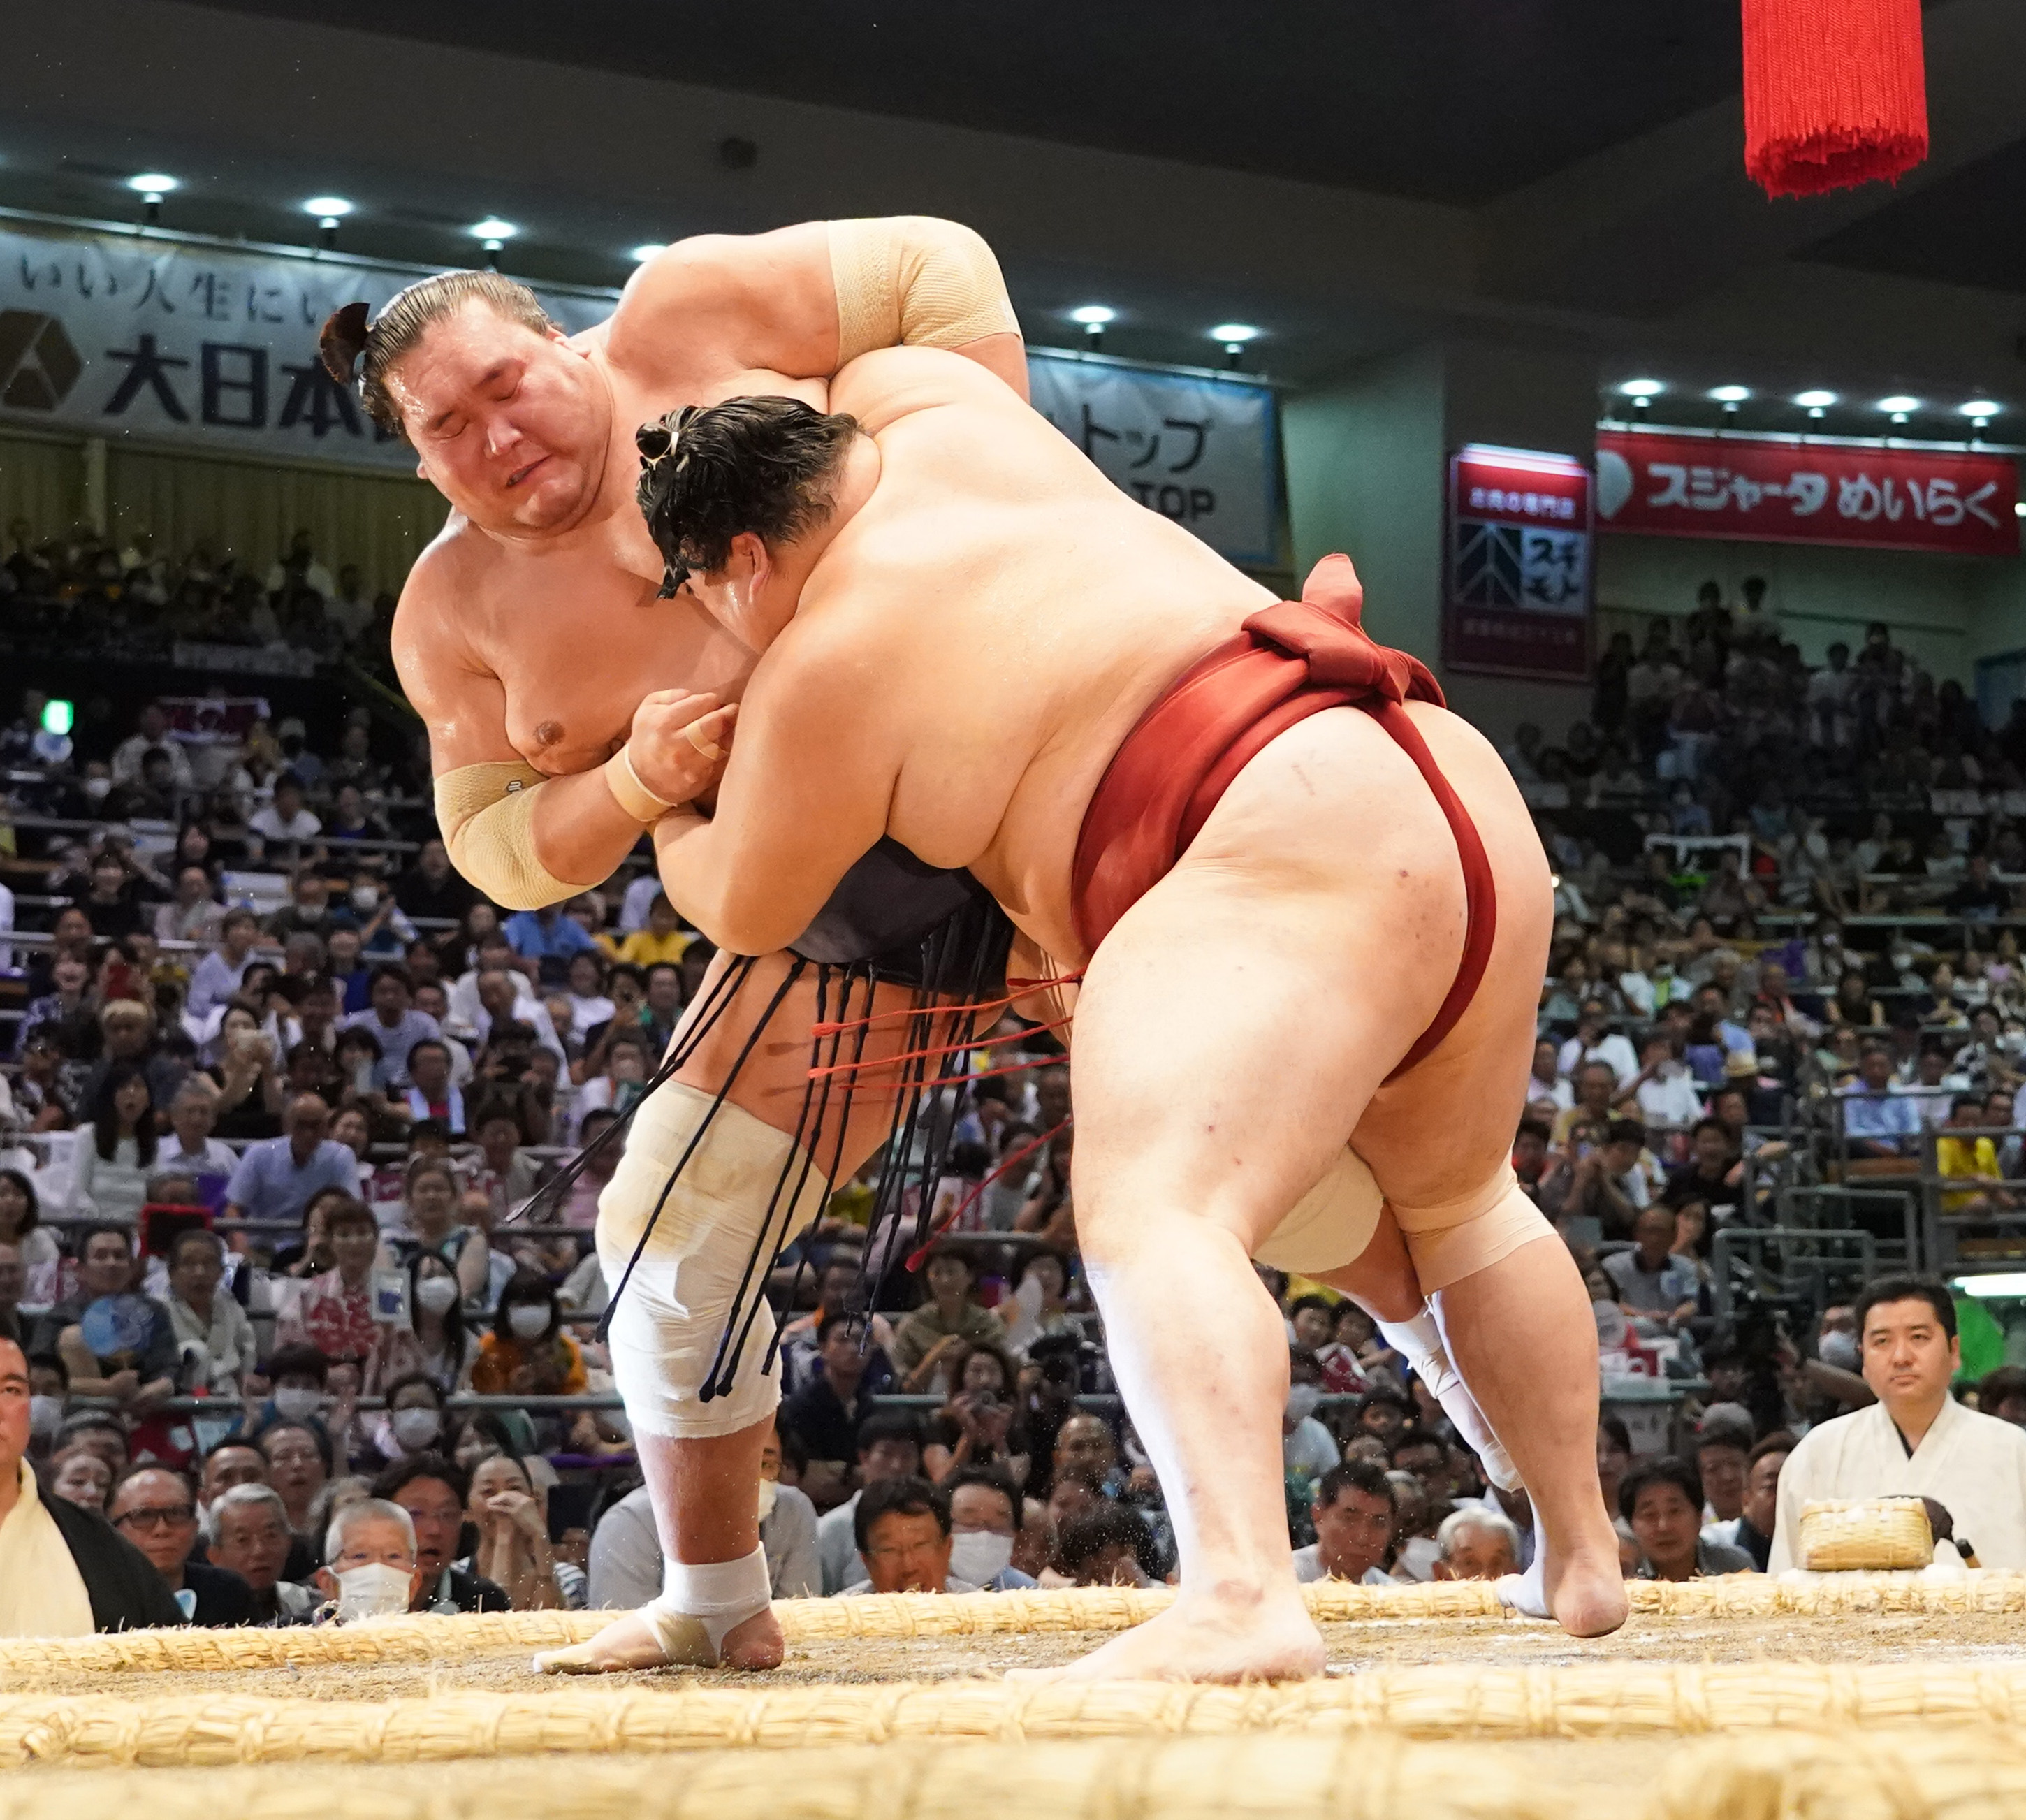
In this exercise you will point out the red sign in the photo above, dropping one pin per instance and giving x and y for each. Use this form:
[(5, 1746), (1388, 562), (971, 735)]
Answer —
[(1516, 590), (1672, 485)]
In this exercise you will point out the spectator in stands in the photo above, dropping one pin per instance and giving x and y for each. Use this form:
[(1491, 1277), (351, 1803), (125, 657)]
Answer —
[(902, 1529), (2002, 1394), (1663, 1502), (193, 915), (1354, 1512), (429, 1093), (137, 1369), (156, 1510), (1473, 1543), (986, 1518), (888, 1446), (431, 889), (433, 1492), (1713, 1176), (190, 1149), (528, 1352), (1972, 1159), (548, 938), (1588, 1121), (335, 1312), (216, 1337), (21, 1228), (395, 1023), (949, 1319), (1595, 1040), (284, 821), (114, 1160), (276, 1176), (663, 1009), (512, 1549), (1752, 1529), (234, 1461), (433, 1341), (250, 1537), (1877, 1120), (1657, 1289), (428, 1223), (662, 940), (219, 973), (373, 1570), (63, 1571), (976, 1425), (299, 1458), (80, 1477), (1723, 1449)]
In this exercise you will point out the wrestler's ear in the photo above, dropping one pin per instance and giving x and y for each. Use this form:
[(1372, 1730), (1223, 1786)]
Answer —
[(748, 552)]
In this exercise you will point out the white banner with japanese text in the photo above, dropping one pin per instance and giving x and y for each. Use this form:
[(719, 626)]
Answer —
[(185, 344), (1202, 450)]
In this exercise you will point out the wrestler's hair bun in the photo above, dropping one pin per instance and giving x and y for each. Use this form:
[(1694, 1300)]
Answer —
[(343, 341), (762, 465)]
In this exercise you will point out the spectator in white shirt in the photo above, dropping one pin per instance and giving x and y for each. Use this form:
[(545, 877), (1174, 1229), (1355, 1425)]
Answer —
[(218, 975), (396, 1023), (1306, 1448), (116, 1153), (191, 1150), (1666, 1089), (1596, 1041), (153, 737), (589, 1007), (285, 819), (1354, 1514)]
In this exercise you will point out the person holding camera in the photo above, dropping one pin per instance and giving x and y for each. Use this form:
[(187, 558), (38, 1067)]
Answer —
[(978, 1426)]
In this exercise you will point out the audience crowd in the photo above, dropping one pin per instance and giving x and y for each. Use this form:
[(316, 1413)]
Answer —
[(283, 1307)]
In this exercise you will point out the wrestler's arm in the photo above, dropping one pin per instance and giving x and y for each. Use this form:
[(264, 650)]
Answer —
[(807, 797), (523, 839), (806, 301)]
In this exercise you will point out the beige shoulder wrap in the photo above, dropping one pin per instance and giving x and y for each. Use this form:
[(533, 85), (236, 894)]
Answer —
[(914, 280), (487, 814)]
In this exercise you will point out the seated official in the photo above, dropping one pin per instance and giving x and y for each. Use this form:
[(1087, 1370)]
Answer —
[(65, 1571), (1916, 1440), (1354, 1512)]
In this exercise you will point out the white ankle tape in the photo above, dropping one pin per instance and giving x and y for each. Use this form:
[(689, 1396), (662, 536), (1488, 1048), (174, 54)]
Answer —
[(1420, 1341), (700, 1605)]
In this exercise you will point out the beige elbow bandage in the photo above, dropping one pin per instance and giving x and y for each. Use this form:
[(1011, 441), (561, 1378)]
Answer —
[(487, 815), (914, 280)]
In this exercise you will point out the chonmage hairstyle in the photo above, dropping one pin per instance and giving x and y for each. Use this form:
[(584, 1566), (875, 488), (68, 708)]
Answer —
[(347, 339), (710, 474)]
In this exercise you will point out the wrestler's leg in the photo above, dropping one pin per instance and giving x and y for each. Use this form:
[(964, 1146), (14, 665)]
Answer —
[(705, 1488), (1212, 1092)]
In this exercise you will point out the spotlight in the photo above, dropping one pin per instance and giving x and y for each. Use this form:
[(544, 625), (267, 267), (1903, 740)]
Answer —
[(1093, 317), (1898, 406), (1642, 389), (1815, 402), (151, 186), (329, 210), (495, 233), (1732, 395), (1233, 335), (640, 255), (1980, 411)]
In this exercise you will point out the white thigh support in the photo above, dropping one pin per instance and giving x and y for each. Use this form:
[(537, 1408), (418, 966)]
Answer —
[(1329, 1225), (668, 1322)]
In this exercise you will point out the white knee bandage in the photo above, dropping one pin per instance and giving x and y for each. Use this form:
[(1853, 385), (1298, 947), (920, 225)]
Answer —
[(668, 1321), (699, 1607)]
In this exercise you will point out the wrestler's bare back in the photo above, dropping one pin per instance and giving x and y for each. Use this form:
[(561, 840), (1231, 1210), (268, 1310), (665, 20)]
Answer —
[(1009, 614)]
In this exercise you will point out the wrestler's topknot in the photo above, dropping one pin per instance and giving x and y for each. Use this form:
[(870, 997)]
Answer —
[(763, 466), (346, 340)]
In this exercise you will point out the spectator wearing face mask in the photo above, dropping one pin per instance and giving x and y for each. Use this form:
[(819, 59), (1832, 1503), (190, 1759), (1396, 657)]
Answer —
[(373, 1571), (528, 1352), (413, 1421), (433, 1341), (987, 1515)]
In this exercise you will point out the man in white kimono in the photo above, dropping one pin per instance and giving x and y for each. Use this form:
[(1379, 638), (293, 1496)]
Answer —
[(1916, 1440)]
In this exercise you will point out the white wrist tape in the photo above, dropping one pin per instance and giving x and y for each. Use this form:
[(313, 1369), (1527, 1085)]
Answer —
[(700, 1606)]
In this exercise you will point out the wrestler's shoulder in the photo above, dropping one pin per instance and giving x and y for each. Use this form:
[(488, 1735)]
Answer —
[(753, 281), (881, 388), (458, 561)]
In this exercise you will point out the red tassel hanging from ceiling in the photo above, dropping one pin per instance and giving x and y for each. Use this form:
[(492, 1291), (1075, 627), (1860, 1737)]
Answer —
[(1835, 93)]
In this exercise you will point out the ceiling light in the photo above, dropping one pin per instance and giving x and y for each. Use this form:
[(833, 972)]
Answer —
[(492, 229), (151, 186), (1730, 394), (1234, 333), (1899, 405), (1642, 389), (327, 206), (1981, 407), (1093, 315), (2002, 1283), (641, 254), (1815, 400)]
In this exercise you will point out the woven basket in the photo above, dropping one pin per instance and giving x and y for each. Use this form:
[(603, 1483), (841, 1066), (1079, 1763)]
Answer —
[(1840, 1536)]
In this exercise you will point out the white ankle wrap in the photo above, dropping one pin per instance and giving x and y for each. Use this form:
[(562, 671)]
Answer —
[(700, 1605), (1420, 1341)]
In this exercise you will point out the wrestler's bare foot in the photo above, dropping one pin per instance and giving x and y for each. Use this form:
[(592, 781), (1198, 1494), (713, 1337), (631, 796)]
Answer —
[(1586, 1591), (630, 1642), (1226, 1634)]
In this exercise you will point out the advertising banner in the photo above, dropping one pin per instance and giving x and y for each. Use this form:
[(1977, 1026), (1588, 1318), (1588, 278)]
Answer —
[(1516, 594), (1671, 484), (1201, 451), (187, 344)]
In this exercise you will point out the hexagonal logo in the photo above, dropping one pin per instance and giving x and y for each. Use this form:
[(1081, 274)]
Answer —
[(38, 364)]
